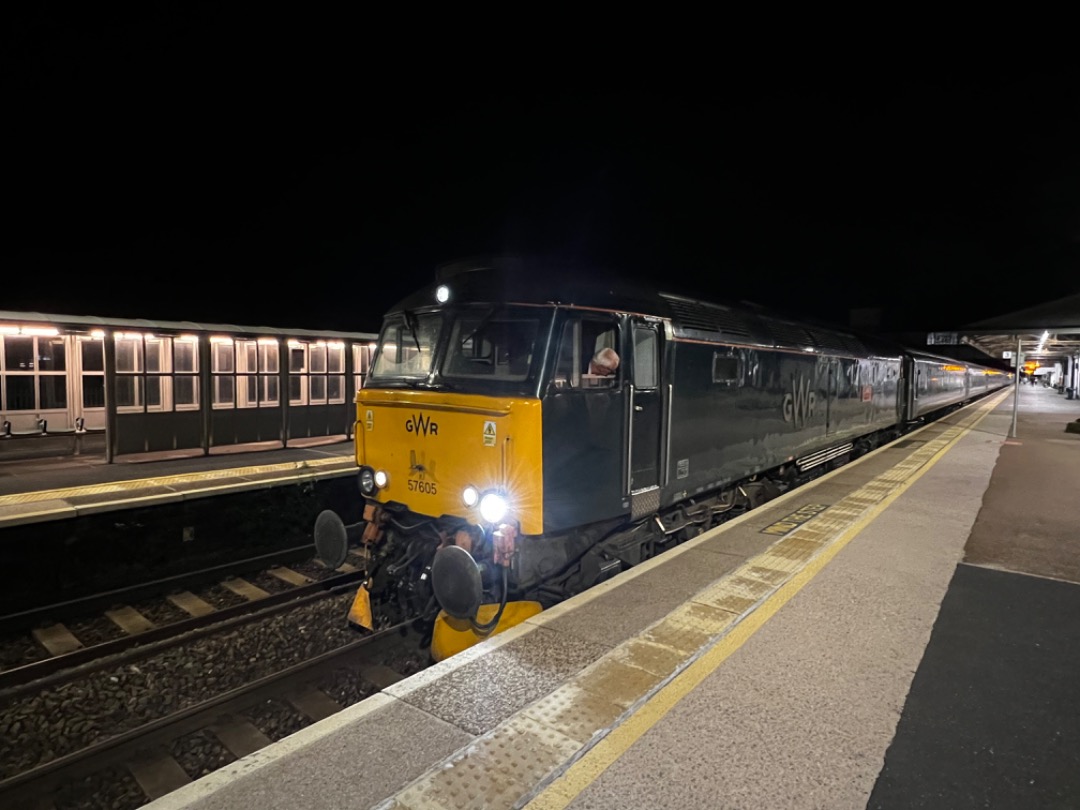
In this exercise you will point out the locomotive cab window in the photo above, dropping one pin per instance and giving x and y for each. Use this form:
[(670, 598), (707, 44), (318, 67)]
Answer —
[(407, 347), (588, 354), (646, 357), (496, 344)]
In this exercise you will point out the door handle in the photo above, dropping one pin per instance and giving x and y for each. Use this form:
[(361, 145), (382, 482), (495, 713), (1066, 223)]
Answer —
[(638, 408)]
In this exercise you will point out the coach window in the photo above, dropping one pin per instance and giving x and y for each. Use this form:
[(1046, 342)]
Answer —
[(223, 371), (726, 368)]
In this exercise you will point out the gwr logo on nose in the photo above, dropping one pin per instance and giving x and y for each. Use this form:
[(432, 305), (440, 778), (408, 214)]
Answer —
[(422, 425)]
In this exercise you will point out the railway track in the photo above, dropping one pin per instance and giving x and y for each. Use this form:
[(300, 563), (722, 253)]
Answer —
[(39, 642), (113, 721), (129, 769)]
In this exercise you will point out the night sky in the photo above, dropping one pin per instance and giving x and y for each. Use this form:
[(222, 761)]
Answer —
[(186, 165)]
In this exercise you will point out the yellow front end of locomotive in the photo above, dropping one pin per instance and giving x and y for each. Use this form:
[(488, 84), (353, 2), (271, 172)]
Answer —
[(433, 451)]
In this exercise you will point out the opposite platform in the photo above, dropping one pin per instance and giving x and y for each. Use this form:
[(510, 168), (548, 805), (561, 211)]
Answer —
[(42, 490)]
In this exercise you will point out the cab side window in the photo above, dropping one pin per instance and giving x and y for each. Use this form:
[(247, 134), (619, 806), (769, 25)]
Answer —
[(646, 357), (588, 354)]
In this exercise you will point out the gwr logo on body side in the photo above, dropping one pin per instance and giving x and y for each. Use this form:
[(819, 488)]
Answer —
[(799, 404), (421, 425)]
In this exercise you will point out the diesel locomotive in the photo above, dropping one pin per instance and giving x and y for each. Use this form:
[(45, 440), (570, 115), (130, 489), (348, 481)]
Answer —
[(501, 474)]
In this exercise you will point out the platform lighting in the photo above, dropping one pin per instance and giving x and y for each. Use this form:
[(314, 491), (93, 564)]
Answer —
[(41, 331), (214, 339), (265, 341), (9, 330)]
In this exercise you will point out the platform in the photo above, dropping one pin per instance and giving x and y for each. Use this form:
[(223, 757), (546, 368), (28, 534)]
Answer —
[(902, 632), (47, 489)]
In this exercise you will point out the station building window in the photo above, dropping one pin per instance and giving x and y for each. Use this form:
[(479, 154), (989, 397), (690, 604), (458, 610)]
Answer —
[(269, 369), (361, 353), (223, 372), (33, 369), (92, 371), (155, 373), (245, 372), (316, 373)]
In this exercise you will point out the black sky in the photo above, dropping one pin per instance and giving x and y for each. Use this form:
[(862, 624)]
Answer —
[(189, 165)]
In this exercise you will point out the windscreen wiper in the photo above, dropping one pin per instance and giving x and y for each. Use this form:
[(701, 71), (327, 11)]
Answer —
[(410, 321), (483, 322)]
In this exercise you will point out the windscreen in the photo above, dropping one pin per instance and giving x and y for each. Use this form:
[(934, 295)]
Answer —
[(407, 347), (497, 344)]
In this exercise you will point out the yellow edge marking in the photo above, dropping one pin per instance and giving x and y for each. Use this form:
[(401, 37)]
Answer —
[(561, 792), (180, 478)]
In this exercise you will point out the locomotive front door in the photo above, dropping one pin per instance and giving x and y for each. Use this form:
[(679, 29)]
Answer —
[(646, 417)]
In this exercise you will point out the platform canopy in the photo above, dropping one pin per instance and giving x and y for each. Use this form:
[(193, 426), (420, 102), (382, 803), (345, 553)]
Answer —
[(1047, 333)]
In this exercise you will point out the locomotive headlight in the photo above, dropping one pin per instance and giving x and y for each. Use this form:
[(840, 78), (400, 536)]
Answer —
[(442, 294), (470, 496), (367, 481), (493, 507), (381, 478)]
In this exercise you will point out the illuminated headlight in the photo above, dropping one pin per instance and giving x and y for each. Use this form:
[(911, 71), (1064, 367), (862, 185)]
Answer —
[(493, 507), (367, 481), (381, 478), (442, 294), (470, 496)]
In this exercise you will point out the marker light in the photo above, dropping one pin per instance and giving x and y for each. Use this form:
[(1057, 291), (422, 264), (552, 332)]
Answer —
[(493, 507), (381, 478), (442, 294), (470, 496)]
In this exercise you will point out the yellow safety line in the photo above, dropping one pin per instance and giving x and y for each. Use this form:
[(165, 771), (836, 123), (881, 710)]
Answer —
[(600, 757), (170, 480)]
